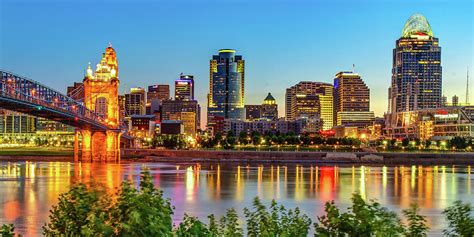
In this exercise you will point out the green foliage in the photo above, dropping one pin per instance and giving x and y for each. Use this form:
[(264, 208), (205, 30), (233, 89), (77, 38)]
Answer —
[(76, 211), (363, 219), (275, 222), (192, 226), (229, 225), (459, 142), (143, 211), (460, 220), (7, 230), (87, 211), (417, 226)]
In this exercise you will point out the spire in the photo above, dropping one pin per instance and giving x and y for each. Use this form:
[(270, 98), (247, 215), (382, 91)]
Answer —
[(89, 71), (110, 44)]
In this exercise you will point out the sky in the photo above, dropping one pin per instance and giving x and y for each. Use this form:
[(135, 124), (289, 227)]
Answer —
[(282, 41)]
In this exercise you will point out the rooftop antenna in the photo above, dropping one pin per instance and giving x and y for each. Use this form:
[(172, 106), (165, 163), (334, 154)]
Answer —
[(353, 68), (467, 87)]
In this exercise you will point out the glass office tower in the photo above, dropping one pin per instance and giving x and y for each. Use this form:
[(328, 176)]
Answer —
[(226, 85), (416, 72)]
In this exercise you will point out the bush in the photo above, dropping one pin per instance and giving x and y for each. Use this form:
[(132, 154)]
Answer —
[(276, 222), (363, 219), (416, 223), (87, 211), (460, 220), (7, 230)]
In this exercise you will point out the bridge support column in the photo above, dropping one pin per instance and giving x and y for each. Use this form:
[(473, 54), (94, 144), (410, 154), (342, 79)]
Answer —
[(76, 146), (113, 146), (86, 155)]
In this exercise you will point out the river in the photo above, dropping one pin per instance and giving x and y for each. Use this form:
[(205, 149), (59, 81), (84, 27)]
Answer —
[(28, 189)]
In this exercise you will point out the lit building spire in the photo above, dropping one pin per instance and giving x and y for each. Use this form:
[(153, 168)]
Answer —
[(89, 71)]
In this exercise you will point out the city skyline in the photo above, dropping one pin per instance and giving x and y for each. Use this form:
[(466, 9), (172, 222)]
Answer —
[(303, 58)]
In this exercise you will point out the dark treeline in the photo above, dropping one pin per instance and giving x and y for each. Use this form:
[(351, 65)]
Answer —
[(143, 211)]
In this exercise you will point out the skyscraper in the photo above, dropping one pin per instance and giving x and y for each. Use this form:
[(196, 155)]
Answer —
[(161, 92), (269, 108), (184, 88), (310, 99), (226, 85), (135, 102), (416, 73), (351, 101)]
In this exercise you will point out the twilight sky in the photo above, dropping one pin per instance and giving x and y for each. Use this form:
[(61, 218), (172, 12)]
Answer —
[(282, 41)]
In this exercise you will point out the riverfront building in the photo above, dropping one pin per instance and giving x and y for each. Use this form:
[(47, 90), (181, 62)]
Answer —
[(135, 102), (268, 110), (226, 85), (311, 100), (184, 88), (352, 101), (161, 92), (432, 124), (416, 73)]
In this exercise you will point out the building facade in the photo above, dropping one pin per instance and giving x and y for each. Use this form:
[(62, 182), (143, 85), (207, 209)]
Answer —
[(184, 88), (351, 101), (310, 100), (269, 108), (226, 85), (182, 110), (416, 72), (135, 102), (161, 92)]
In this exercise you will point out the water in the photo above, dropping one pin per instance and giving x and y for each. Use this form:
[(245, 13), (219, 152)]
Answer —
[(28, 189)]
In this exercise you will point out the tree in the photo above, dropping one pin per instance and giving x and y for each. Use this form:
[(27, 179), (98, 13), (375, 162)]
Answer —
[(90, 211), (363, 219), (276, 222), (7, 230), (460, 220), (459, 142), (405, 142), (416, 223)]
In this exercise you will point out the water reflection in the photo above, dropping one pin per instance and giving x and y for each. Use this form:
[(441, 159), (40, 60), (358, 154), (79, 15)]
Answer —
[(30, 188)]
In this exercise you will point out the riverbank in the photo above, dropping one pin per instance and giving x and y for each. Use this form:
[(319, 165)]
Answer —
[(387, 158), (233, 156)]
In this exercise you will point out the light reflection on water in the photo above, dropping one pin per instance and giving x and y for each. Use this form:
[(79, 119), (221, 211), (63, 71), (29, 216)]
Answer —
[(28, 189)]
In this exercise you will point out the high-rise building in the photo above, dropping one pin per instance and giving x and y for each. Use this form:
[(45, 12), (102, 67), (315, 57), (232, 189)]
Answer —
[(161, 92), (416, 73), (184, 88), (226, 85), (351, 101), (269, 108), (253, 112), (135, 102), (175, 109), (121, 104), (310, 99)]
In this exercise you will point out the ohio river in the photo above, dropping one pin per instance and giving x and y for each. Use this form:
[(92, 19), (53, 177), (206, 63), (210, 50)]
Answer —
[(28, 189)]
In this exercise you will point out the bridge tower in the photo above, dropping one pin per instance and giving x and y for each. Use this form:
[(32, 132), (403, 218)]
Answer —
[(101, 96)]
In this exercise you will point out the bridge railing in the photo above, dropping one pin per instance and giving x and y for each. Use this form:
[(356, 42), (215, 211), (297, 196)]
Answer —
[(24, 89)]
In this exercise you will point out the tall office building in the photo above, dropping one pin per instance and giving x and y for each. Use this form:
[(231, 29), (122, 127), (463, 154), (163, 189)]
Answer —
[(269, 108), (184, 88), (182, 110), (351, 101), (135, 102), (310, 99), (161, 92), (226, 85), (416, 73)]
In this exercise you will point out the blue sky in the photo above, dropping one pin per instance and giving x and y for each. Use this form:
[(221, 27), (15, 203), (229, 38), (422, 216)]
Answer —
[(282, 41)]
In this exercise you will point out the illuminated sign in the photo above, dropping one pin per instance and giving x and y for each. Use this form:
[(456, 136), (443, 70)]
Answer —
[(446, 116)]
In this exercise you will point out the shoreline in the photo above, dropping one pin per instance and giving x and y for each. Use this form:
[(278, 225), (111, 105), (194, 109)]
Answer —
[(269, 157)]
